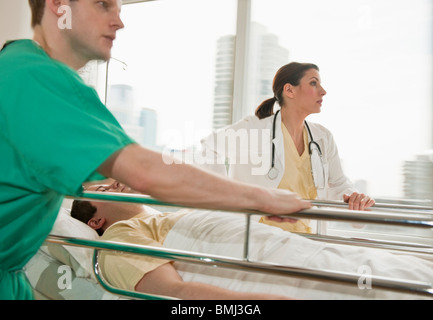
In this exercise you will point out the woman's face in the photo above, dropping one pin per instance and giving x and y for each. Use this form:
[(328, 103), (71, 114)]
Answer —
[(308, 95)]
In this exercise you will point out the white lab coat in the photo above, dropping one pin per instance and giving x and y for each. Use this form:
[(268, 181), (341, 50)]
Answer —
[(249, 159)]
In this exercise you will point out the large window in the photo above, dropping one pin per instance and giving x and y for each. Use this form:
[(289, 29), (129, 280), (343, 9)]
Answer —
[(376, 62), (165, 75), (182, 68), (376, 65), (173, 76)]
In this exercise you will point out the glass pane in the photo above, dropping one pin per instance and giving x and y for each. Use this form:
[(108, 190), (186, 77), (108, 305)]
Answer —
[(162, 76), (375, 60)]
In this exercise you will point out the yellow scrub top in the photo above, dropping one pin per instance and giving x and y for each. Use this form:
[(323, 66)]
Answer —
[(297, 178)]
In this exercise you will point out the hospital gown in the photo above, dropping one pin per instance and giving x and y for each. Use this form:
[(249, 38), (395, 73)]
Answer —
[(222, 234)]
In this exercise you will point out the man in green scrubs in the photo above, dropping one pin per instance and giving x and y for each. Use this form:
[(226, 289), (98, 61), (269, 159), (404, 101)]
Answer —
[(55, 134)]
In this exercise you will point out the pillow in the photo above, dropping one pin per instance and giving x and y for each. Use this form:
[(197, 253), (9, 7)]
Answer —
[(80, 259), (43, 269), (46, 277), (46, 268)]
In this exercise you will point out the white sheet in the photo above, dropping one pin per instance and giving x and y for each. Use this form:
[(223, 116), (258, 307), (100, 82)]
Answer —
[(223, 234)]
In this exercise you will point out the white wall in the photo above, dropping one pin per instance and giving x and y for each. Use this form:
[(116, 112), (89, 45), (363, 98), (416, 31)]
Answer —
[(15, 19)]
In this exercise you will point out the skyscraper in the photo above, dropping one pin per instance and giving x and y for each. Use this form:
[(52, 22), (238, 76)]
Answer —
[(417, 177), (148, 121), (266, 56), (140, 124), (121, 103), (224, 74)]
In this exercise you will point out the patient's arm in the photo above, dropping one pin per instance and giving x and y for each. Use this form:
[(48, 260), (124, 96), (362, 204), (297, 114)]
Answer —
[(167, 282), (145, 171)]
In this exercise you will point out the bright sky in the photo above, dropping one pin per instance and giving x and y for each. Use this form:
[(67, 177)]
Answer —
[(375, 62), (169, 47)]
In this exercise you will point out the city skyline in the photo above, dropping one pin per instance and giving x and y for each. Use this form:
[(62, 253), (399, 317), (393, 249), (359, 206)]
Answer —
[(265, 58)]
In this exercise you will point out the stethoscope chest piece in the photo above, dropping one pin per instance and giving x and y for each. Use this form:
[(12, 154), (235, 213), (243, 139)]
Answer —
[(273, 173)]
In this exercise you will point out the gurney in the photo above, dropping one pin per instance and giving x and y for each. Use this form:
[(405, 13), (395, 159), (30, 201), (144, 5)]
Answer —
[(411, 217)]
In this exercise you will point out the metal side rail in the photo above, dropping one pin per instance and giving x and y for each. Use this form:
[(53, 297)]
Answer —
[(378, 205), (387, 283), (121, 292), (408, 219), (413, 219), (374, 243)]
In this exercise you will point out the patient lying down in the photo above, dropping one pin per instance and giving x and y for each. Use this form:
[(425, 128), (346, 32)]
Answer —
[(130, 223), (221, 233)]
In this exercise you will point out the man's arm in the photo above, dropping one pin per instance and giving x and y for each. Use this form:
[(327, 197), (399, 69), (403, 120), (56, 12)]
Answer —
[(183, 184), (165, 281)]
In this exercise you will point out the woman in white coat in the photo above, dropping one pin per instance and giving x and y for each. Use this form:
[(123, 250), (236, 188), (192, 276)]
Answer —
[(282, 150)]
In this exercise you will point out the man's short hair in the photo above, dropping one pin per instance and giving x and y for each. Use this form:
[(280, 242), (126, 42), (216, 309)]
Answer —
[(37, 7), (83, 210)]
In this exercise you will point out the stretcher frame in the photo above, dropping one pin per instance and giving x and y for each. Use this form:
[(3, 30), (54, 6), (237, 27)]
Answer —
[(409, 216)]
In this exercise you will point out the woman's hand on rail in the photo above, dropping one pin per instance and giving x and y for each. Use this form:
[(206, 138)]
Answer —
[(358, 201)]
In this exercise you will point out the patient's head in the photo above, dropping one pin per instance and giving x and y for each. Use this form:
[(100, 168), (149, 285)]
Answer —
[(99, 215), (84, 211)]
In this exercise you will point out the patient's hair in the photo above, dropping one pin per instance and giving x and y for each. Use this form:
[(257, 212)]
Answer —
[(290, 73), (83, 211)]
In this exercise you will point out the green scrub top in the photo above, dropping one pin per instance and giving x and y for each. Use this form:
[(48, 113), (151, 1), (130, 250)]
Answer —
[(54, 134)]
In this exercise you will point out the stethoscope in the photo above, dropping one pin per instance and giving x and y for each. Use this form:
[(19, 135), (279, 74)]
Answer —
[(315, 158)]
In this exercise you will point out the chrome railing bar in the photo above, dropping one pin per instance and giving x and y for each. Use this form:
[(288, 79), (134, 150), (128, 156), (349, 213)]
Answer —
[(121, 292), (417, 287), (134, 1), (421, 220), (247, 238), (377, 205), (373, 243)]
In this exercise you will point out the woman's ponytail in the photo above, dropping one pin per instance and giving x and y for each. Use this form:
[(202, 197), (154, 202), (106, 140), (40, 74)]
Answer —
[(266, 108)]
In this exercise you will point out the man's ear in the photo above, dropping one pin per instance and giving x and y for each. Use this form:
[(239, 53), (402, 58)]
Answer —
[(96, 223), (54, 5)]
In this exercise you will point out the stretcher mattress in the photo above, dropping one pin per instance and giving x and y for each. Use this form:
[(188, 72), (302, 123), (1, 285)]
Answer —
[(223, 234)]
